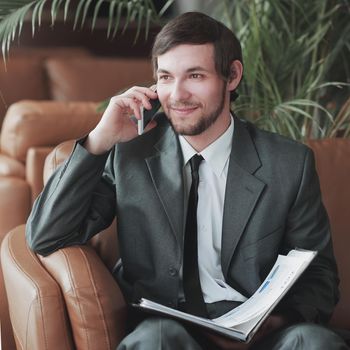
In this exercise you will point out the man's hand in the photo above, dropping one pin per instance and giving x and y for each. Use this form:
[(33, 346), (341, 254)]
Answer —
[(271, 324), (115, 125)]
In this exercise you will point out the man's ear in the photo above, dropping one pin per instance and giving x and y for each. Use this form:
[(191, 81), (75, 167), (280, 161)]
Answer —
[(236, 72)]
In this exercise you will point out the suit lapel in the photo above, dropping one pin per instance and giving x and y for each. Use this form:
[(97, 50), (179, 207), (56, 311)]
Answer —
[(243, 190), (165, 168)]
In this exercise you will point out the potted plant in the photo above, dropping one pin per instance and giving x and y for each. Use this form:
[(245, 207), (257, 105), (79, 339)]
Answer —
[(297, 68), (296, 79)]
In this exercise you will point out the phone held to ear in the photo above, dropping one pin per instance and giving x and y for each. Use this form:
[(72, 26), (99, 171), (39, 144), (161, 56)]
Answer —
[(147, 115)]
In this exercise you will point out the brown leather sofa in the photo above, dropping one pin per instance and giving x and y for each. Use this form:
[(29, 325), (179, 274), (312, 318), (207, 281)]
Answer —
[(30, 128), (76, 307), (67, 289), (29, 132)]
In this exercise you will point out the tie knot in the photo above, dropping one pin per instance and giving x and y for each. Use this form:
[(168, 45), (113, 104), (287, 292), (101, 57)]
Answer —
[(195, 161)]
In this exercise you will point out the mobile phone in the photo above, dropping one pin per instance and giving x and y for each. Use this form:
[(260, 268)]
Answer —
[(147, 115)]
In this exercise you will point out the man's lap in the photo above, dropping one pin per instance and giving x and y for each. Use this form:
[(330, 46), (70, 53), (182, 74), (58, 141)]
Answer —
[(157, 333)]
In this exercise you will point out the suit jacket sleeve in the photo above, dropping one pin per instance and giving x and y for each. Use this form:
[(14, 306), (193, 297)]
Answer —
[(316, 292), (77, 202)]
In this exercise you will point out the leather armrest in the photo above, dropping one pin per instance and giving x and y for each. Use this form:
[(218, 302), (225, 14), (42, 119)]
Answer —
[(34, 168), (14, 203), (56, 157), (94, 302), (37, 309)]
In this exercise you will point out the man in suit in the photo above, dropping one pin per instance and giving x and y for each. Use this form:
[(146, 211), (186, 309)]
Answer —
[(257, 196)]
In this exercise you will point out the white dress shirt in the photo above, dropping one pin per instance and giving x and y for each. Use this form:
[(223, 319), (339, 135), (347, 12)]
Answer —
[(211, 193)]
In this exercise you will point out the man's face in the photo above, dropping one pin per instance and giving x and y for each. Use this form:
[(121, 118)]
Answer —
[(190, 90)]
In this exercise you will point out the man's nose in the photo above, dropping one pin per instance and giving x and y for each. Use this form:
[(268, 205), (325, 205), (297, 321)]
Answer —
[(180, 92)]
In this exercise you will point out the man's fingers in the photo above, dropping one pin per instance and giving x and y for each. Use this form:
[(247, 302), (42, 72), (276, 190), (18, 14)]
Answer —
[(148, 91), (136, 109), (132, 106), (127, 104), (139, 97)]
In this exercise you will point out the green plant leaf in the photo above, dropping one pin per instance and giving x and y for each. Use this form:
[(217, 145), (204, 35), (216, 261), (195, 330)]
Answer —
[(119, 14), (12, 22), (95, 15), (141, 11), (86, 8), (55, 6), (66, 8), (165, 7), (148, 20), (128, 16), (112, 5), (79, 9)]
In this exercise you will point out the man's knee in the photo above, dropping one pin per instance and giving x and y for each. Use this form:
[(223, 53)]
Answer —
[(159, 333), (311, 336), (172, 329)]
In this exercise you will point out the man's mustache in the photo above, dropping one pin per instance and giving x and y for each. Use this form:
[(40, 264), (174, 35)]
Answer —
[(183, 104)]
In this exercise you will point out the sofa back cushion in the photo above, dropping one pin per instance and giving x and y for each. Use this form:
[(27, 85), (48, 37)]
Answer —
[(23, 75), (95, 79), (23, 78)]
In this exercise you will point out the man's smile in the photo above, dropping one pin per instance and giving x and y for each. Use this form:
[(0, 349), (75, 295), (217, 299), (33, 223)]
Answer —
[(183, 110)]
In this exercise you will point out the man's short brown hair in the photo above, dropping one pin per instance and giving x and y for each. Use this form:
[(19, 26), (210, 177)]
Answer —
[(197, 28)]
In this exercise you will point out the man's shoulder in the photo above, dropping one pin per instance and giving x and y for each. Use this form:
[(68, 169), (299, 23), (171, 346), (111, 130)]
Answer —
[(274, 143)]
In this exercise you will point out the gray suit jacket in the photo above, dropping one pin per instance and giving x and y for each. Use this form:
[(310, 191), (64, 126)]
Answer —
[(272, 204)]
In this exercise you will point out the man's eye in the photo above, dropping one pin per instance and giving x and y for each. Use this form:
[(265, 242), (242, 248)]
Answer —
[(196, 76), (163, 77)]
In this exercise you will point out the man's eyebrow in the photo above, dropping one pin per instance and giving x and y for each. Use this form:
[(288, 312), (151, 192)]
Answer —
[(189, 70), (162, 71), (196, 69)]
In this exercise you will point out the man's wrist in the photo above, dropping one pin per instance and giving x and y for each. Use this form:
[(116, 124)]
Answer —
[(95, 144)]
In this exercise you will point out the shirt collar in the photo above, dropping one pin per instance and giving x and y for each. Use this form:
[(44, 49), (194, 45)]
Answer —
[(216, 154)]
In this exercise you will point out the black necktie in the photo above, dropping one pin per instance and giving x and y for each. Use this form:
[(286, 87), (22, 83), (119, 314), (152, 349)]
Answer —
[(194, 301)]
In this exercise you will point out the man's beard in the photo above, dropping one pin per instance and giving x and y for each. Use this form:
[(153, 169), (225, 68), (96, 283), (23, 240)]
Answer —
[(204, 122)]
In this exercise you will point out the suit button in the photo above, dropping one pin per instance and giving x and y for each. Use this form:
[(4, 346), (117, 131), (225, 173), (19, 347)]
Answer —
[(172, 271)]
